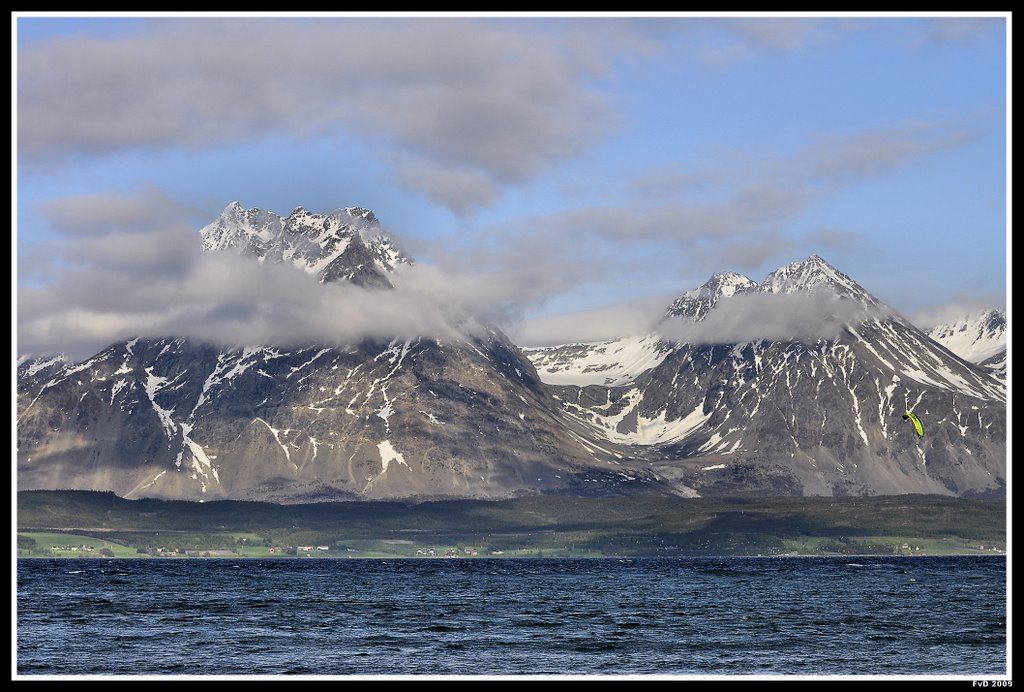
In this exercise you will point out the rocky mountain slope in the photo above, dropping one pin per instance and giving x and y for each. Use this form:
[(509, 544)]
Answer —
[(815, 415), (418, 418), (809, 405)]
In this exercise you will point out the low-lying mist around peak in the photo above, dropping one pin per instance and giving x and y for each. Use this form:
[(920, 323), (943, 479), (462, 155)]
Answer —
[(252, 277)]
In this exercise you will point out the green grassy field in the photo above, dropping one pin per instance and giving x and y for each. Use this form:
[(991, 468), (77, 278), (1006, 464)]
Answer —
[(72, 545), (529, 526)]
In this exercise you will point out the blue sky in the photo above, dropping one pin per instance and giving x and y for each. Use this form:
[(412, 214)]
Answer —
[(602, 165)]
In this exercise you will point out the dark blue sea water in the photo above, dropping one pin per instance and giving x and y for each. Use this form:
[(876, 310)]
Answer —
[(918, 616)]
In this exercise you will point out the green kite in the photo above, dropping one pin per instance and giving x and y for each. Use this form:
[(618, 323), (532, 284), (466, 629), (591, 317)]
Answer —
[(912, 417)]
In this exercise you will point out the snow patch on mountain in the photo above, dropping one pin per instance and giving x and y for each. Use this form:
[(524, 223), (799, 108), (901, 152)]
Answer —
[(154, 384), (35, 365), (612, 363), (388, 453)]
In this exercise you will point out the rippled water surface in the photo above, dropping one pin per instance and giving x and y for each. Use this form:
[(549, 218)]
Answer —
[(687, 616)]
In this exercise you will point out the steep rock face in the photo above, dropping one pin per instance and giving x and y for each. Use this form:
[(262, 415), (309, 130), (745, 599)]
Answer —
[(816, 416), (412, 419)]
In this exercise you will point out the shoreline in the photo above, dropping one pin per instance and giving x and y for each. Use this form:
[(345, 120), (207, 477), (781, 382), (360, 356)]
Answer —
[(711, 556)]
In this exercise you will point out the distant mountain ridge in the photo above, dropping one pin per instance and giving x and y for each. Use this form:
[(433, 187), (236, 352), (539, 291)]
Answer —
[(473, 416), (978, 337)]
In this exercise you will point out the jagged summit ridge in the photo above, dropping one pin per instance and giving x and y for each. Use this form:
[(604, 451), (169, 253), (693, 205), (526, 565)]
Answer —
[(345, 244), (811, 276)]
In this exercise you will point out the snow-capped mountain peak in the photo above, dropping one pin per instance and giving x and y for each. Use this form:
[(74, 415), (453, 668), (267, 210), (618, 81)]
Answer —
[(814, 274), (811, 276), (347, 243), (696, 303), (359, 213), (240, 228), (976, 337), (726, 284)]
